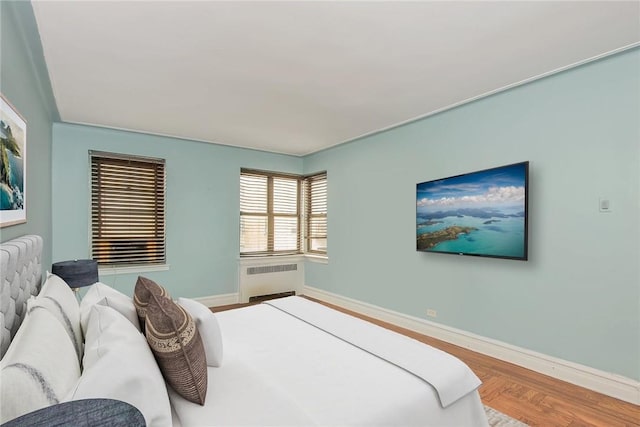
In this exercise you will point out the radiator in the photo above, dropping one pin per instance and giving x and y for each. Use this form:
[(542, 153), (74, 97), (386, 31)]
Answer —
[(262, 277)]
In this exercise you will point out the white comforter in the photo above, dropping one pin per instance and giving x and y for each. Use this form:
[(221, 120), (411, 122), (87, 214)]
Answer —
[(281, 371)]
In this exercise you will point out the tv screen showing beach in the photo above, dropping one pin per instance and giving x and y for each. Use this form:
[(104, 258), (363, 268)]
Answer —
[(481, 213)]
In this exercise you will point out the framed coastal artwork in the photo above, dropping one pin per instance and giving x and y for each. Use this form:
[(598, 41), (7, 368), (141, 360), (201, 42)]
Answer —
[(13, 163)]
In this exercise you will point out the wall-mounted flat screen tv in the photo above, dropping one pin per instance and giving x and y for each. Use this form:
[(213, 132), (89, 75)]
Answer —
[(481, 213)]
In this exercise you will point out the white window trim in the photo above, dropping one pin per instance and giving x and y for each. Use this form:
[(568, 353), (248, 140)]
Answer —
[(316, 258), (109, 271)]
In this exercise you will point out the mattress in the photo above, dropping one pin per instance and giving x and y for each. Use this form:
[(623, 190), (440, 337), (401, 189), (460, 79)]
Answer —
[(282, 370)]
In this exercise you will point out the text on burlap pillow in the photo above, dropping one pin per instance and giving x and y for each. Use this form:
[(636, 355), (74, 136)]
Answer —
[(177, 346), (142, 295)]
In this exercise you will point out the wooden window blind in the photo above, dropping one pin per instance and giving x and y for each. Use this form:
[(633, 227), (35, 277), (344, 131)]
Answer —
[(127, 210), (316, 213), (270, 213)]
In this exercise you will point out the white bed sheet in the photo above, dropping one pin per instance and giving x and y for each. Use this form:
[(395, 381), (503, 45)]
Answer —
[(449, 376), (280, 371)]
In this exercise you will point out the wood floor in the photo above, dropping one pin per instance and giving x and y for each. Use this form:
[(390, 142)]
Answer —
[(533, 398)]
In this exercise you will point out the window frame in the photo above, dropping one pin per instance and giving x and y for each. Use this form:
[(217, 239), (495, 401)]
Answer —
[(271, 215), (309, 196), (302, 214)]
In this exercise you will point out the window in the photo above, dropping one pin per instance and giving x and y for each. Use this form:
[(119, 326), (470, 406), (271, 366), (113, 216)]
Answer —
[(271, 213), (127, 209), (316, 213)]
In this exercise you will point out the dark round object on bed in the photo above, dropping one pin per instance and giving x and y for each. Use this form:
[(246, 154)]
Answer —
[(82, 413)]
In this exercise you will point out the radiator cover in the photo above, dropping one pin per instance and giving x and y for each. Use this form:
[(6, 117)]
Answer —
[(260, 277)]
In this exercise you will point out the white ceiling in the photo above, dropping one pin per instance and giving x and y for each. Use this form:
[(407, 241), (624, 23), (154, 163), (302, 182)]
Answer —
[(296, 77)]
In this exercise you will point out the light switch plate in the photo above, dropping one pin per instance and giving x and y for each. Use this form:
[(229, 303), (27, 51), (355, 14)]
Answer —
[(605, 204)]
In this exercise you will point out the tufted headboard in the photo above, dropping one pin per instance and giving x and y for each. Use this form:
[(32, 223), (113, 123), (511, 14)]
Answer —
[(20, 277)]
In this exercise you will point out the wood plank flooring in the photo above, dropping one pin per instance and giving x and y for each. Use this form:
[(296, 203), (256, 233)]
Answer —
[(528, 396)]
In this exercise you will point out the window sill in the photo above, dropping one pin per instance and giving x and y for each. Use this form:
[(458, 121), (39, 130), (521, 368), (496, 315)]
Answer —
[(318, 259), (108, 271), (261, 259)]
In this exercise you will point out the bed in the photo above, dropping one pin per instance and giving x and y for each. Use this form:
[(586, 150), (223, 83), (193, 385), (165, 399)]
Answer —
[(285, 362)]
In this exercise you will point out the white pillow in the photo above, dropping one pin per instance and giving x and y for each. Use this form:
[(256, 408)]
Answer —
[(66, 310), (106, 295), (118, 364), (209, 329), (71, 326), (40, 367)]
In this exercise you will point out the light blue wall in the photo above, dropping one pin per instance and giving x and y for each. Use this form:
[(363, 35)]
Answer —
[(578, 297), (24, 83), (203, 182)]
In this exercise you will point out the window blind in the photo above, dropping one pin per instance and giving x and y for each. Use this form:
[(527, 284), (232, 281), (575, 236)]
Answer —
[(316, 213), (127, 209), (269, 213)]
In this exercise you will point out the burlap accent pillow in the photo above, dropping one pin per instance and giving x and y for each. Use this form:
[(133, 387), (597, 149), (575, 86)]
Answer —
[(142, 295), (176, 344)]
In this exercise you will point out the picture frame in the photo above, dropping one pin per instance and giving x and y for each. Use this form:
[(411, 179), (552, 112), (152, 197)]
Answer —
[(13, 165)]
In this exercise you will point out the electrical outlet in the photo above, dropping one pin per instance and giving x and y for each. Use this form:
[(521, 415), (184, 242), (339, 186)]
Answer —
[(432, 313)]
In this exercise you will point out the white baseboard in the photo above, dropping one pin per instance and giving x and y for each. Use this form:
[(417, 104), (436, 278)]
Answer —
[(218, 300), (613, 385)]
